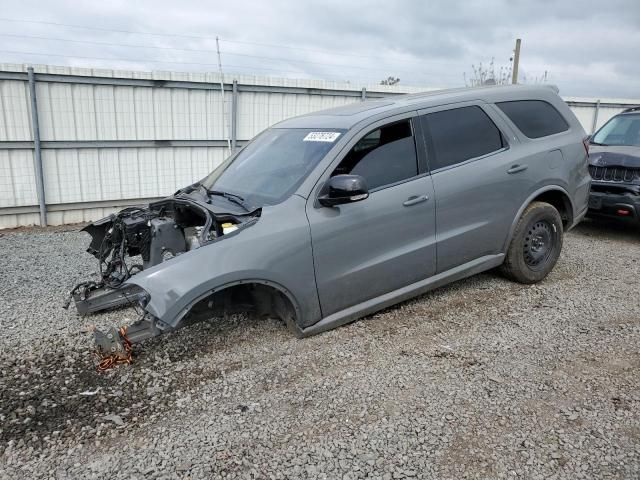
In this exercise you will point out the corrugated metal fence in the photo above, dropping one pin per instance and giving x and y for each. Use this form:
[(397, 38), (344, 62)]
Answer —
[(114, 138)]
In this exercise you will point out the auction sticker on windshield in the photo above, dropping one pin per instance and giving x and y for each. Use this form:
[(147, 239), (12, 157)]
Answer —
[(321, 137)]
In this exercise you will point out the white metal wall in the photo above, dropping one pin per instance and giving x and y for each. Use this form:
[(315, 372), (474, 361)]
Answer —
[(107, 112), (73, 112), (98, 174), (257, 111), (15, 114), (585, 109)]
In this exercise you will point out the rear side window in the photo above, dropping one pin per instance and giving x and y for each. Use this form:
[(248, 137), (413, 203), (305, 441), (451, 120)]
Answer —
[(384, 156), (457, 135), (534, 118)]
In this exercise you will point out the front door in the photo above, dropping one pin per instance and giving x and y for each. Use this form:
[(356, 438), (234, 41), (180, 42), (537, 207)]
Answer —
[(364, 249)]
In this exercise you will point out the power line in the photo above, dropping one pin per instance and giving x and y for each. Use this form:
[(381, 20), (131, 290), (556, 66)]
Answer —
[(196, 50), (239, 42), (109, 44), (330, 52), (233, 54), (230, 53), (281, 59), (134, 60), (272, 45), (104, 29)]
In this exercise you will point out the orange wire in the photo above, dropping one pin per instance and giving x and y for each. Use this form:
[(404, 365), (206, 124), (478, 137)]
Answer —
[(113, 360)]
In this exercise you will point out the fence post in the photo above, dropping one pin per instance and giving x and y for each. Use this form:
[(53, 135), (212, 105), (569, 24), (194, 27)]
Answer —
[(364, 94), (595, 117), (36, 148), (234, 116)]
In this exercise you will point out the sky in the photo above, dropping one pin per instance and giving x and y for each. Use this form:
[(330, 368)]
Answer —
[(587, 48)]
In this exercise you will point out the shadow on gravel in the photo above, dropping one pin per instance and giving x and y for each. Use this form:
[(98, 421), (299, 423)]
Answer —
[(69, 227), (63, 395), (610, 229)]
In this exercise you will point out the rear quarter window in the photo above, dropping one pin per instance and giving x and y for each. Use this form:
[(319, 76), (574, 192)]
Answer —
[(534, 118)]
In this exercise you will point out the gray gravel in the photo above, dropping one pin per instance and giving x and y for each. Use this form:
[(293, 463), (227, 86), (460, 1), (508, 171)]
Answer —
[(480, 379)]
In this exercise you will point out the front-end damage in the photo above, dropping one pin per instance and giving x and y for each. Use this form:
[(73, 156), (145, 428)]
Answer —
[(139, 238), (615, 186)]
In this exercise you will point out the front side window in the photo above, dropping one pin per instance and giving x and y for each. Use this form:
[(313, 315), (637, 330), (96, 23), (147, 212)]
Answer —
[(620, 130), (273, 165), (457, 135), (384, 156), (534, 118)]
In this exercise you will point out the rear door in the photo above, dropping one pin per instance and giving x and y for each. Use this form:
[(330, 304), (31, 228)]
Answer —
[(478, 181), (364, 249)]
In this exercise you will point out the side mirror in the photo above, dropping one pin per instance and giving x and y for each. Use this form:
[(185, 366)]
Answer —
[(343, 189)]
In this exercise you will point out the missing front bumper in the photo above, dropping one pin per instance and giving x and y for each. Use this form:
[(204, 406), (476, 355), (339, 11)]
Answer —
[(90, 297)]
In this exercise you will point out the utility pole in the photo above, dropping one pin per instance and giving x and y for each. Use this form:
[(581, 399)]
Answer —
[(516, 61)]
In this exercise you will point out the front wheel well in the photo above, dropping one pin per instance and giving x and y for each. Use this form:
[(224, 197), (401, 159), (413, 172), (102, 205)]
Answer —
[(259, 298), (560, 201)]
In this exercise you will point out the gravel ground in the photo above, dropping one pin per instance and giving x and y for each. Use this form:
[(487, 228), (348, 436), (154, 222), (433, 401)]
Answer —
[(480, 379)]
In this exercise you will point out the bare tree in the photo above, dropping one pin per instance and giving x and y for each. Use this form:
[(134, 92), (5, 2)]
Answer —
[(497, 75), (390, 81), (487, 74)]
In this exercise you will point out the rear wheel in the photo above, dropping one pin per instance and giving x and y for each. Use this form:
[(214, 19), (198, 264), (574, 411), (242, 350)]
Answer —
[(536, 244)]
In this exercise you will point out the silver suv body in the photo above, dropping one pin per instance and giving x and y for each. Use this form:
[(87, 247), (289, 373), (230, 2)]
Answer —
[(334, 215)]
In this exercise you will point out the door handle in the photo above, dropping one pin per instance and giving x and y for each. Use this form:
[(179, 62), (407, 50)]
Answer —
[(517, 168), (415, 199)]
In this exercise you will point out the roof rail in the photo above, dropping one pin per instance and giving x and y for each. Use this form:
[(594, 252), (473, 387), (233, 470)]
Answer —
[(632, 109)]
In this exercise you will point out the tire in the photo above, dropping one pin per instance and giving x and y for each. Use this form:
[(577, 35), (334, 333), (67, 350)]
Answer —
[(536, 244)]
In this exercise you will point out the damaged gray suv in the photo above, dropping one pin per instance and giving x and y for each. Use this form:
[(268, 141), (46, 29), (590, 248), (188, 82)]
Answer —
[(328, 217)]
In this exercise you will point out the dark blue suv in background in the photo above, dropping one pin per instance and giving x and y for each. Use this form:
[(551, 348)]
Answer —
[(614, 165)]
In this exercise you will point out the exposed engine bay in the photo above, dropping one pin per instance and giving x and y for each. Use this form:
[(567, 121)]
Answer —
[(158, 233), (138, 238)]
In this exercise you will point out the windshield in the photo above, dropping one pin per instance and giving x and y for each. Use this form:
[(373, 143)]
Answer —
[(273, 165), (620, 130)]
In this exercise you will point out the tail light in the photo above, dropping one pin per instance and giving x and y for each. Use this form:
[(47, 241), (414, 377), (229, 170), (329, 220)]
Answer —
[(585, 143)]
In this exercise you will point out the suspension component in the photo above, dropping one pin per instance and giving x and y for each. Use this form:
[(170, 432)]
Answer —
[(114, 347)]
